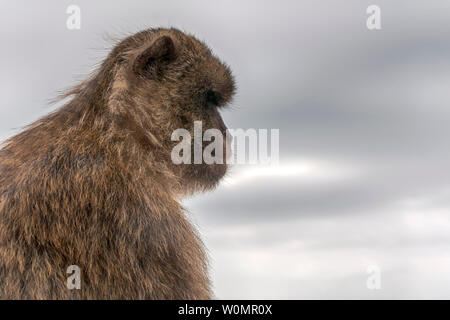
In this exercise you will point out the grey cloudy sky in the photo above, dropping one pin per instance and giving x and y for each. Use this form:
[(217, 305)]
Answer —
[(363, 118)]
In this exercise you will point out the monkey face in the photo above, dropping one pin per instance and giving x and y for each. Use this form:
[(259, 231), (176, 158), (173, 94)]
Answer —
[(181, 83)]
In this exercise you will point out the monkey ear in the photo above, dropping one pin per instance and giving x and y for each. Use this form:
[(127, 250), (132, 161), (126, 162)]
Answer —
[(162, 50)]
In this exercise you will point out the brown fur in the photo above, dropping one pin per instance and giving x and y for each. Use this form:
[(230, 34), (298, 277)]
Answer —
[(93, 185)]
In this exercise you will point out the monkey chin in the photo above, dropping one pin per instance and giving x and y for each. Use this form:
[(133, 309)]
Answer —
[(213, 175), (203, 177)]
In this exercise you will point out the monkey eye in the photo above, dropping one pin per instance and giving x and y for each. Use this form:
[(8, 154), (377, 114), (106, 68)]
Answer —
[(213, 98)]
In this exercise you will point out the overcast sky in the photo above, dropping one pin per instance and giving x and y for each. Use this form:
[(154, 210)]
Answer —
[(364, 135)]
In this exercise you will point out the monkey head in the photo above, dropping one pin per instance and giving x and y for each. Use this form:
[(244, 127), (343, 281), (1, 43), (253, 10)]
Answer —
[(171, 81)]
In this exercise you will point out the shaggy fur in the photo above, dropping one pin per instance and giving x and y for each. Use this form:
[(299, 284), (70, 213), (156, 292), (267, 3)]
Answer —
[(93, 184)]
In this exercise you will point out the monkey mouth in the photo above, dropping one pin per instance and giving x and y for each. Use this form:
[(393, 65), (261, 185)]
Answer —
[(229, 143)]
